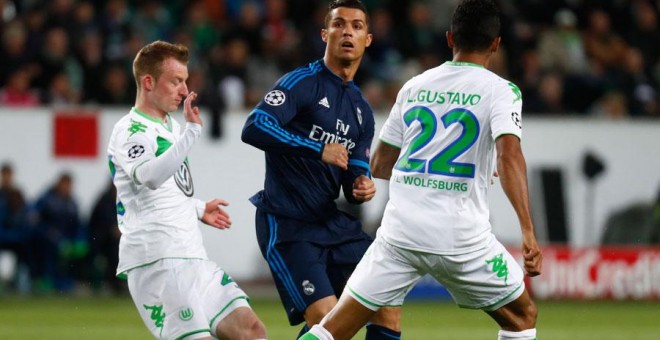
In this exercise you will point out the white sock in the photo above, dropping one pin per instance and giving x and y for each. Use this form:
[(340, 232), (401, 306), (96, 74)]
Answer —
[(528, 334), (320, 333)]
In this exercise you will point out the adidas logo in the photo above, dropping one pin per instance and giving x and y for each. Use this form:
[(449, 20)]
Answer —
[(325, 102)]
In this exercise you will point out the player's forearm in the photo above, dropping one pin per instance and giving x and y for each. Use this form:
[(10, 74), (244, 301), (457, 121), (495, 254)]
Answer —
[(265, 133), (512, 171), (156, 171), (383, 160)]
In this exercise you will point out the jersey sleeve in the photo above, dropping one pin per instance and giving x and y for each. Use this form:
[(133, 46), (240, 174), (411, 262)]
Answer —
[(506, 117), (392, 131), (266, 126), (133, 149), (358, 160), (137, 155)]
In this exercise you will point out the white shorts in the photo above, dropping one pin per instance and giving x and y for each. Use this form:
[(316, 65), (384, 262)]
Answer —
[(184, 298), (485, 279)]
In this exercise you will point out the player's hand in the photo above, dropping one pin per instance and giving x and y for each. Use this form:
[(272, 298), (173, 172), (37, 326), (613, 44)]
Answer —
[(215, 216), (532, 256), (191, 113), (364, 189), (335, 154)]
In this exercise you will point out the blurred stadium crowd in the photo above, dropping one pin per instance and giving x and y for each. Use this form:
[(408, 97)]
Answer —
[(571, 57), (581, 57)]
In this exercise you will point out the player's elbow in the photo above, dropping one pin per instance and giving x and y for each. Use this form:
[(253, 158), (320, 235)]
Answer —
[(152, 184), (247, 135)]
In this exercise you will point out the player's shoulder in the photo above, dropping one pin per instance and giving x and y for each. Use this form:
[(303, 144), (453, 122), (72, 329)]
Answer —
[(134, 124), (301, 78)]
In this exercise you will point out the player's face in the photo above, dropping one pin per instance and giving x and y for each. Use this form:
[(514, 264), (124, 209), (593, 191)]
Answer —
[(170, 88), (347, 34)]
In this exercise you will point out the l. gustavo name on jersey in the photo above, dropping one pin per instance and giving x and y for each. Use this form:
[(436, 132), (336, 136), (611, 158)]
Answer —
[(339, 136), (431, 183)]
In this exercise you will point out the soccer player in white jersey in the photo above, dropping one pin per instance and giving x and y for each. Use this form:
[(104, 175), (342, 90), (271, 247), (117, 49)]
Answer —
[(437, 149), (178, 292)]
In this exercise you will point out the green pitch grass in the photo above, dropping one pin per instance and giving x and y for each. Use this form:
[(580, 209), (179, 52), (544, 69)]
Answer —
[(116, 318)]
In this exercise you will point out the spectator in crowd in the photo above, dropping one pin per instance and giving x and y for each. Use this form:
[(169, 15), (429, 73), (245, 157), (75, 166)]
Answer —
[(104, 239), (60, 241), (14, 227), (17, 91), (586, 46)]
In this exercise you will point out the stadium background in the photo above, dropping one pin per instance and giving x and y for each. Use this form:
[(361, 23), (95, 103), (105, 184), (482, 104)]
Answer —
[(589, 72)]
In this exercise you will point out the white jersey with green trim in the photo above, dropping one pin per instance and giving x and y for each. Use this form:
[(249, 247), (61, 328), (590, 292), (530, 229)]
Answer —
[(161, 222), (445, 121)]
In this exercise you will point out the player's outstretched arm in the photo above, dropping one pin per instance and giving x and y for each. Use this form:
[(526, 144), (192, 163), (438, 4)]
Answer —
[(214, 215), (383, 160), (512, 172)]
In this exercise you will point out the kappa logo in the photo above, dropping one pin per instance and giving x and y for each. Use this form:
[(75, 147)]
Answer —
[(226, 279), (325, 102), (275, 98), (308, 287)]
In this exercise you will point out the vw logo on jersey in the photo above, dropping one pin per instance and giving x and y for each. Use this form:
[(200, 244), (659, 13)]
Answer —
[(184, 181), (275, 98)]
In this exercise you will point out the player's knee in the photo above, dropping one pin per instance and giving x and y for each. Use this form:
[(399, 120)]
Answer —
[(256, 330), (389, 317), (530, 314)]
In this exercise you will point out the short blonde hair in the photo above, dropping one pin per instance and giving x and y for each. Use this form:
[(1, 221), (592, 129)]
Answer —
[(150, 58)]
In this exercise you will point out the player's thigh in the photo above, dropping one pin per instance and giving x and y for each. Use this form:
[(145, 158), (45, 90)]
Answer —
[(384, 276), (167, 296), (343, 258), (222, 295), (299, 270), (241, 323), (486, 279)]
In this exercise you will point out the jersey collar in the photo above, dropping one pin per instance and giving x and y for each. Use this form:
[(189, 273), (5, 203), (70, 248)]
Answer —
[(334, 75), (168, 120), (463, 63)]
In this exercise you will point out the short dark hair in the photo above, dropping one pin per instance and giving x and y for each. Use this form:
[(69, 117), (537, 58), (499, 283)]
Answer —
[(475, 24), (357, 4), (150, 58)]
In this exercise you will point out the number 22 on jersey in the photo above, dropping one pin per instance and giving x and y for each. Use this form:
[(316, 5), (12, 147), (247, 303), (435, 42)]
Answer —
[(443, 162)]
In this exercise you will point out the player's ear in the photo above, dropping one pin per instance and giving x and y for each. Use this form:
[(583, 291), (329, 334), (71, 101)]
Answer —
[(450, 39), (324, 35), (495, 45), (370, 38), (148, 82)]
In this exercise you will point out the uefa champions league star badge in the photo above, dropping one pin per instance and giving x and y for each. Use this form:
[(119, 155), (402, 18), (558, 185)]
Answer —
[(275, 98), (135, 151)]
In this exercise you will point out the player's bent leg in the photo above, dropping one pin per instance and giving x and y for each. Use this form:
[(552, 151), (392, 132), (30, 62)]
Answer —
[(317, 310), (242, 323), (385, 324), (346, 319), (517, 319)]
